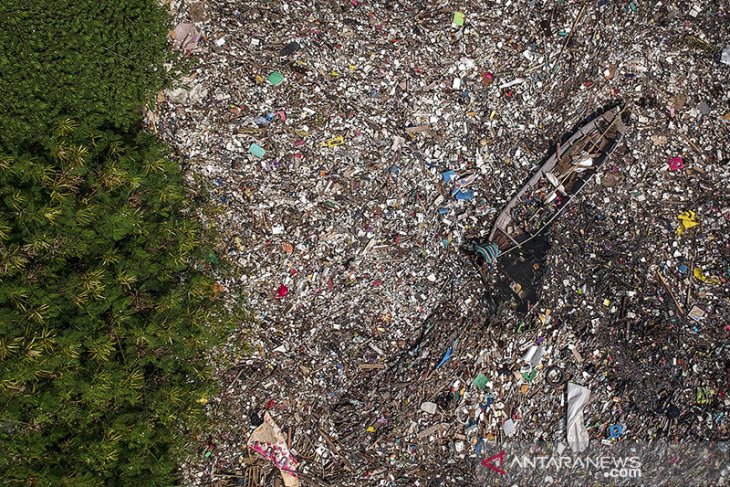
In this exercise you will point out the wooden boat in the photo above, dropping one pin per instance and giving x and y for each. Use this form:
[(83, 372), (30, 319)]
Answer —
[(562, 176)]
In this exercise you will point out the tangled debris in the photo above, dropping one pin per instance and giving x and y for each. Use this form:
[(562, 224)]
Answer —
[(354, 147)]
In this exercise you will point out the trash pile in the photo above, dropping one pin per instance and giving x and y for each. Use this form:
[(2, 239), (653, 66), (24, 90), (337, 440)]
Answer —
[(352, 148)]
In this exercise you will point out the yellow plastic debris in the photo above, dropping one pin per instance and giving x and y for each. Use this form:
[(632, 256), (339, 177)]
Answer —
[(333, 142), (371, 429), (545, 318), (700, 276), (687, 219)]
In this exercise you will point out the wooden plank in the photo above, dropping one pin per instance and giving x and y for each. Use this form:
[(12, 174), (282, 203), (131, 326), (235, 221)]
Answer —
[(669, 291), (418, 129), (371, 366)]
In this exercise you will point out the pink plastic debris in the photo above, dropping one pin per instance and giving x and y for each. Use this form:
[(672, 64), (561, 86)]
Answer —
[(282, 291), (487, 78), (676, 163), (268, 441)]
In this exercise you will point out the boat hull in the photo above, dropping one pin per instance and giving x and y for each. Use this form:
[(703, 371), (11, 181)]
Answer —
[(558, 180)]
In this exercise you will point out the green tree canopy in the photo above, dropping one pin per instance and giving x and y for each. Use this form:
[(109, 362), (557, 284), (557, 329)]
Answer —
[(94, 60), (105, 313)]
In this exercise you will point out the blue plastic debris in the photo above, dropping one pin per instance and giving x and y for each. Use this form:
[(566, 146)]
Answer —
[(443, 211), (264, 120), (447, 356), (448, 175), (683, 269), (480, 444), (615, 431), (257, 150), (464, 194)]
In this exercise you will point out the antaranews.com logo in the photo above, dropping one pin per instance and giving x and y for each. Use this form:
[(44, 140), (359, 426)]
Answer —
[(656, 463), (610, 466)]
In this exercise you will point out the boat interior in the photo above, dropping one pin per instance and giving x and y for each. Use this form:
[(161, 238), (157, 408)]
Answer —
[(562, 175)]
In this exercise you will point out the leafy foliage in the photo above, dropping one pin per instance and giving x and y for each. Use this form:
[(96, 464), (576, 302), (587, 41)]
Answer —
[(92, 60), (105, 312)]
